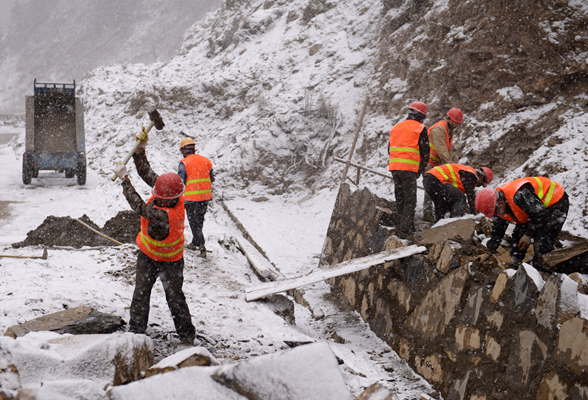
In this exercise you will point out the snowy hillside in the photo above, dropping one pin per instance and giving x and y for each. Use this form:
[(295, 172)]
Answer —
[(271, 91)]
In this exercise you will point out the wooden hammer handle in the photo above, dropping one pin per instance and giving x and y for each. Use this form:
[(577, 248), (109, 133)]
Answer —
[(130, 153)]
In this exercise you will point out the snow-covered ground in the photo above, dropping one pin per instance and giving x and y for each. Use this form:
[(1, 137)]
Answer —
[(290, 228)]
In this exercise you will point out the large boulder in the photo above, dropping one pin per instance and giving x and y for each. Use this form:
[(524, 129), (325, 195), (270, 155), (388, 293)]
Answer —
[(78, 320), (191, 383), (51, 360), (308, 372)]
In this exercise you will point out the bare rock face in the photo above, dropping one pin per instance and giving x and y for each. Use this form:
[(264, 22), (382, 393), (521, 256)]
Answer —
[(78, 320), (461, 228), (489, 58), (437, 309)]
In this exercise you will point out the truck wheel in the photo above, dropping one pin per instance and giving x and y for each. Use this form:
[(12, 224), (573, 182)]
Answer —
[(70, 173), (81, 172), (27, 172)]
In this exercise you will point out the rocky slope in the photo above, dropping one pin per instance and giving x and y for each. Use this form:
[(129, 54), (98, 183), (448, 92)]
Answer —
[(271, 90)]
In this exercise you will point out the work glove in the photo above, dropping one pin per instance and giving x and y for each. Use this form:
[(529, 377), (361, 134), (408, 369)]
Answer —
[(525, 242), (121, 171), (142, 136)]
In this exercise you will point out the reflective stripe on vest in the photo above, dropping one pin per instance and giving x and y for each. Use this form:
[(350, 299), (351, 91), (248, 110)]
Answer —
[(434, 159), (404, 146), (198, 184), (161, 253), (449, 174), (546, 199), (172, 248), (550, 197)]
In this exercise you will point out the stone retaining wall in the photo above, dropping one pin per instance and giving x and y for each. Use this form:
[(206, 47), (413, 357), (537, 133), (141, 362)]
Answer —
[(474, 331)]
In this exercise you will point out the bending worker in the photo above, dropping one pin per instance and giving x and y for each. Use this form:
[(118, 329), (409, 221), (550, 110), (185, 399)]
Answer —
[(538, 207), (440, 140), (448, 186), (196, 173), (409, 155), (161, 244)]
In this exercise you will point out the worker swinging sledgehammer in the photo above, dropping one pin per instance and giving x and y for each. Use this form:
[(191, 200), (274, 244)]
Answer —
[(196, 173), (449, 185), (409, 155), (161, 243), (539, 208)]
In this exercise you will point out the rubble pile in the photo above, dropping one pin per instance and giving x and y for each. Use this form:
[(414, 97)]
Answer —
[(67, 231)]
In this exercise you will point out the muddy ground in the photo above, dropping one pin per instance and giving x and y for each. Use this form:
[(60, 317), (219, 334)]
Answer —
[(67, 231)]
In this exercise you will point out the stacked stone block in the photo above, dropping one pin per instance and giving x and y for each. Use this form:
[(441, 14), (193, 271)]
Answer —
[(473, 331)]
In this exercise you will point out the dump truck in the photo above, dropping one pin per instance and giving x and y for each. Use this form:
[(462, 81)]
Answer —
[(54, 134)]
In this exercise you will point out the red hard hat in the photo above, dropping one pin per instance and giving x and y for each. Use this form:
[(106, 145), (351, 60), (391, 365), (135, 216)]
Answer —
[(168, 186), (486, 201), (456, 115), (419, 106), (489, 175)]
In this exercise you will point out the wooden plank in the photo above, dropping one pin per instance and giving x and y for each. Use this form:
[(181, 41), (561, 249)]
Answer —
[(321, 274), (560, 255), (261, 265)]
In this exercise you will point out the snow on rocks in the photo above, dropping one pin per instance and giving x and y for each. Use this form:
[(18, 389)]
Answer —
[(50, 359), (304, 373), (193, 356)]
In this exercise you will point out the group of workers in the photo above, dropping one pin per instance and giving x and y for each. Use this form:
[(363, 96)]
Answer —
[(161, 239), (537, 206)]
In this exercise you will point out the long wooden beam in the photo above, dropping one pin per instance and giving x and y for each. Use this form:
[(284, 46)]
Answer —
[(321, 274)]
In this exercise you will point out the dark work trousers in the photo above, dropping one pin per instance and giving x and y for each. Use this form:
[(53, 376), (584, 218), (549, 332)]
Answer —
[(195, 212), (405, 192), (172, 279), (427, 201), (544, 235), (447, 198)]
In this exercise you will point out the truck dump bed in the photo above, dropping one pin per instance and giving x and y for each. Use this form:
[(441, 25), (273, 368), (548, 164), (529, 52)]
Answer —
[(54, 132), (55, 119)]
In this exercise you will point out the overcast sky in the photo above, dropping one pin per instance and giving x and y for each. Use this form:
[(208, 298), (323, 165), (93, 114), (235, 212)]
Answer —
[(5, 6)]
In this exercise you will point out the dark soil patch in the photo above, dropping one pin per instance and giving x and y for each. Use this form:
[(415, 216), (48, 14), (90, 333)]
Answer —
[(66, 231)]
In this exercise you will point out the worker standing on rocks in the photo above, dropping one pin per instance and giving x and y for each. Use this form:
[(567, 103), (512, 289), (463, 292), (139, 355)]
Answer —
[(196, 173), (538, 207), (448, 186), (440, 140), (409, 155), (161, 244)]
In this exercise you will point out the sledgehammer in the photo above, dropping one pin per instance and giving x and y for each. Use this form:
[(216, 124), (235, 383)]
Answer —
[(155, 121)]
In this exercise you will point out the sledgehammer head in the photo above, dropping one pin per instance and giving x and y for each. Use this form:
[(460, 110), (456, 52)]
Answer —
[(156, 118)]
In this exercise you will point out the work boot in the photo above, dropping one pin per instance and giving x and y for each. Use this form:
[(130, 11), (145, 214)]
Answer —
[(190, 246), (202, 252)]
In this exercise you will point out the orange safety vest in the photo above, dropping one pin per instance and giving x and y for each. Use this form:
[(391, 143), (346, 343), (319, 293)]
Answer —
[(547, 190), (448, 174), (198, 185), (404, 146), (172, 248), (434, 157)]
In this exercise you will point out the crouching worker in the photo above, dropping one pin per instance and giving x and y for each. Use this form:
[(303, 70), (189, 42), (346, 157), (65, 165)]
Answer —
[(538, 207), (161, 245), (448, 186)]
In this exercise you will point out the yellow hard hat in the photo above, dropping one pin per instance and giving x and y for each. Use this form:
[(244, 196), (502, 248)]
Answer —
[(186, 141)]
